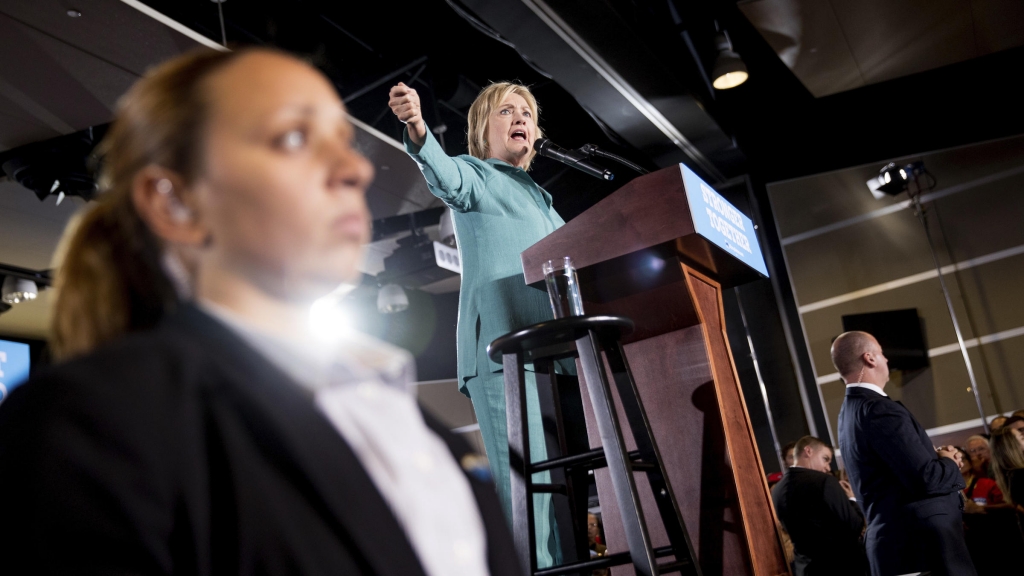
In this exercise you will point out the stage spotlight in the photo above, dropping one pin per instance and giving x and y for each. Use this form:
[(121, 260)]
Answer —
[(729, 70), (893, 179), (17, 290), (391, 299)]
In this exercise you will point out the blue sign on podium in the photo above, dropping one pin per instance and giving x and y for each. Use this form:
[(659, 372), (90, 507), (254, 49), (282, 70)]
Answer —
[(14, 366), (721, 223)]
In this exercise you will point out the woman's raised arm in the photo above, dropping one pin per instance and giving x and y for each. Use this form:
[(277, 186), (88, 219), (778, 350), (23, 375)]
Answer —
[(453, 180)]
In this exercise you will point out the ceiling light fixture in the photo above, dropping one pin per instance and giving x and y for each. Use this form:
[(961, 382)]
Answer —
[(391, 299), (16, 290), (729, 70)]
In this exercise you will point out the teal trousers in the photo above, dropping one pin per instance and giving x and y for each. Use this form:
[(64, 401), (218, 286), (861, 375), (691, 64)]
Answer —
[(487, 392)]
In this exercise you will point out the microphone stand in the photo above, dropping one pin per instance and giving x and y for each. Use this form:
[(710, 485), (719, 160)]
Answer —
[(592, 150)]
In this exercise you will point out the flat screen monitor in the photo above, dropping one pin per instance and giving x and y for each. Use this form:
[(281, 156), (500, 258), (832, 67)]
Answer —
[(14, 366), (898, 333), (721, 223)]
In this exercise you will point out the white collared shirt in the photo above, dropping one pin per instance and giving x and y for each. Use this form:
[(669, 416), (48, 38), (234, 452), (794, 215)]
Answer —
[(361, 386), (874, 388)]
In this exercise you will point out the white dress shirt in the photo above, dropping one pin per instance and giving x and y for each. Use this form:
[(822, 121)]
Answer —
[(874, 388), (361, 385)]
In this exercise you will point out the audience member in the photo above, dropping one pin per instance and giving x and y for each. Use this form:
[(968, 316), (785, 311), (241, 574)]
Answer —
[(1018, 413), (977, 448), (1014, 422), (909, 490), (990, 525), (789, 456), (820, 514), (978, 492), (597, 548), (789, 453), (997, 423), (1008, 464)]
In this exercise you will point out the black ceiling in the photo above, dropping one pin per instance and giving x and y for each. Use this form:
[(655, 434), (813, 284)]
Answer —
[(782, 130)]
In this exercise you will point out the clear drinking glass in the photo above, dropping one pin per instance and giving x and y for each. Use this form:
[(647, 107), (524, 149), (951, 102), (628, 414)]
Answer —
[(563, 288)]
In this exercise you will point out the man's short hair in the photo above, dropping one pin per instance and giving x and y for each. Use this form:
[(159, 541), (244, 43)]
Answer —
[(847, 349), (811, 441)]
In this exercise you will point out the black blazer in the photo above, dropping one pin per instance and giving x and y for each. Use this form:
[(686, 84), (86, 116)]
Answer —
[(183, 451), (823, 523), (911, 496)]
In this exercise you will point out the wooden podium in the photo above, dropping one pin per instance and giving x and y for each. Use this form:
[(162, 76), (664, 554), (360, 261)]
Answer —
[(638, 255)]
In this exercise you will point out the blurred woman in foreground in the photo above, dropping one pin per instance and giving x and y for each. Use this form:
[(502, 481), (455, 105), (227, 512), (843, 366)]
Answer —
[(219, 437)]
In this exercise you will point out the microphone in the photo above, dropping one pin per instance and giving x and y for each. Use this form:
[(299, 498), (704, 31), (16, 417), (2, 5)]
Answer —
[(574, 158)]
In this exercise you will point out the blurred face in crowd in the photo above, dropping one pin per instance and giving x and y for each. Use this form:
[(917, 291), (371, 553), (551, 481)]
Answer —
[(1019, 435), (593, 530), (965, 461), (816, 458), (511, 130), (791, 457), (979, 451), (282, 192)]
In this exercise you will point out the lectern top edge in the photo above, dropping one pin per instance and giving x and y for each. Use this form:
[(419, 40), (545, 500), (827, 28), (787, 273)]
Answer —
[(670, 206)]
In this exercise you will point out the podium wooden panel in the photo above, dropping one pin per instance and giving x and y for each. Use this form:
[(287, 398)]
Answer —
[(638, 256)]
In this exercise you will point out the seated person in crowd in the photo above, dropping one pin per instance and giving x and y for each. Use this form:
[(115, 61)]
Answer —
[(218, 435), (820, 514)]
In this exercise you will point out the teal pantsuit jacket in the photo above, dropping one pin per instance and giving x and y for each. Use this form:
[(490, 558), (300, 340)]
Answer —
[(498, 211)]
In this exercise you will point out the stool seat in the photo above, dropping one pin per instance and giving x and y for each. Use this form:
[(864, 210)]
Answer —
[(557, 338)]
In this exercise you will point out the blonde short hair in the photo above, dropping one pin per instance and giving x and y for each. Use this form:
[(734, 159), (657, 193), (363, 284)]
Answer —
[(486, 102)]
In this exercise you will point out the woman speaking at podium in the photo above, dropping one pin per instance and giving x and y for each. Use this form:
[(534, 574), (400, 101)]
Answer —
[(498, 212)]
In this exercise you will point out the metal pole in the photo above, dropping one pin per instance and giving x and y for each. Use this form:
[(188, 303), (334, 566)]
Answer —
[(760, 381), (220, 14), (915, 198)]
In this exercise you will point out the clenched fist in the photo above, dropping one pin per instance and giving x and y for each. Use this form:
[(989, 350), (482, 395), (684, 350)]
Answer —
[(405, 103)]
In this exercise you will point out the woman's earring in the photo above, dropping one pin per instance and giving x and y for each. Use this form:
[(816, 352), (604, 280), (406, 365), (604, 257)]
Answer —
[(179, 212)]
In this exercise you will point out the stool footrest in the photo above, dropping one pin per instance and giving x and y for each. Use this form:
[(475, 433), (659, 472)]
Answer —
[(541, 488), (590, 460)]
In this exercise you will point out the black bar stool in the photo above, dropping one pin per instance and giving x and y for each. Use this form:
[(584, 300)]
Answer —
[(587, 337)]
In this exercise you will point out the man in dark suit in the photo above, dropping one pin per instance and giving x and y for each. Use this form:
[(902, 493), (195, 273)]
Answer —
[(909, 490), (820, 515)]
